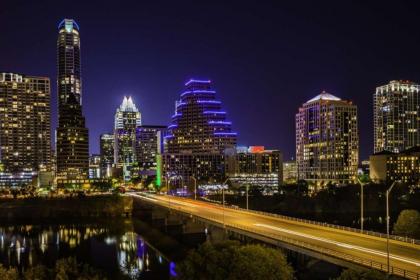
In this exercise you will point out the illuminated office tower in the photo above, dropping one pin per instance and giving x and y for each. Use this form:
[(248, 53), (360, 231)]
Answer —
[(149, 144), (25, 138), (127, 119), (254, 166), (106, 147), (72, 137), (199, 124), (94, 167), (396, 109), (198, 136), (327, 142)]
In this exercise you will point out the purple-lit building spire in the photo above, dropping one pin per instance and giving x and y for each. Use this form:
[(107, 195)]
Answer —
[(199, 124)]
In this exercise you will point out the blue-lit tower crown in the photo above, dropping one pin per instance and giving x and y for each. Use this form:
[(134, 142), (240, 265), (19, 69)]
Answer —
[(199, 124)]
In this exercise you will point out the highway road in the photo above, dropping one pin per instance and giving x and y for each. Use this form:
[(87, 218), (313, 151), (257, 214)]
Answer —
[(403, 255)]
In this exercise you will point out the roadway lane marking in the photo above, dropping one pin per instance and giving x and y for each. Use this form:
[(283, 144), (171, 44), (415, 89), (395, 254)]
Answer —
[(158, 199), (141, 196), (340, 244)]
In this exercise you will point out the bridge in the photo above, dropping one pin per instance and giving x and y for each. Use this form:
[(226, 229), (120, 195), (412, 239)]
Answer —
[(332, 243)]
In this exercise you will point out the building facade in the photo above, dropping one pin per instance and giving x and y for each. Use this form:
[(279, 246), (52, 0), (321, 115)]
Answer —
[(387, 167), (94, 167), (396, 108), (254, 166), (199, 124), (127, 120), (327, 142), (179, 168), (149, 144), (25, 138), (198, 135), (290, 173), (72, 137), (106, 147)]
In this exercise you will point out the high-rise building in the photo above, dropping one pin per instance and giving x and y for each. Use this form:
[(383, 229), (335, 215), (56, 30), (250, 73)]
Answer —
[(106, 146), (289, 171), (198, 135), (387, 167), (254, 166), (396, 109), (94, 167), (327, 141), (149, 144), (25, 138), (199, 124), (127, 119), (179, 168), (72, 137)]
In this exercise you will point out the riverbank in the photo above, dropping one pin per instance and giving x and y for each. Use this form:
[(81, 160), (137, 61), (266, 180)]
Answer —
[(66, 207)]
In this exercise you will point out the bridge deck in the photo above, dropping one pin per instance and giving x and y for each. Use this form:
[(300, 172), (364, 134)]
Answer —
[(359, 248)]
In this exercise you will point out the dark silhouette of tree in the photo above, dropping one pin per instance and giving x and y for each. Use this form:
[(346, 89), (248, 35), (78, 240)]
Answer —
[(351, 274), (408, 224), (8, 274), (229, 261)]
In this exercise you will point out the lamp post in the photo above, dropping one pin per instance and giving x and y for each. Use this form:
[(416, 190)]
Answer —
[(362, 219), (247, 189), (223, 200), (388, 191), (195, 187), (167, 189)]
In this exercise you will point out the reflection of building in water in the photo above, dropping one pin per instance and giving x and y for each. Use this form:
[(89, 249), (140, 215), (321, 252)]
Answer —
[(73, 236), (18, 242), (132, 255), (27, 246)]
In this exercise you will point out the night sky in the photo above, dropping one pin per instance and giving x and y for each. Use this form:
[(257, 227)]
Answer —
[(265, 58)]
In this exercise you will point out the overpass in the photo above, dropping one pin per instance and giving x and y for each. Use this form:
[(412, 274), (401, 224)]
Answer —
[(335, 243)]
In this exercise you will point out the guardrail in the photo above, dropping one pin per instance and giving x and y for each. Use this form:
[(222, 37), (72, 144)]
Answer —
[(274, 240), (368, 232)]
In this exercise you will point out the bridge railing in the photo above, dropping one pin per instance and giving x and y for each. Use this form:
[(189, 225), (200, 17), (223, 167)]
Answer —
[(274, 240), (368, 232)]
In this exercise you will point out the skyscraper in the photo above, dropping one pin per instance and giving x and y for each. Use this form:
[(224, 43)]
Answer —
[(72, 137), (254, 166), (106, 146), (149, 144), (198, 135), (25, 138), (396, 109), (127, 119), (199, 124), (327, 142)]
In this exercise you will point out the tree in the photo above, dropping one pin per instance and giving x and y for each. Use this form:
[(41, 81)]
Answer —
[(258, 262), (8, 274), (351, 274), (229, 260), (38, 272), (408, 224)]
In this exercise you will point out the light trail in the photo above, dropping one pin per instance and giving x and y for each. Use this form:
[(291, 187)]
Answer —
[(341, 244)]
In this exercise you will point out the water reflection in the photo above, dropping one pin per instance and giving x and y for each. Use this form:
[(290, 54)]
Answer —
[(117, 250)]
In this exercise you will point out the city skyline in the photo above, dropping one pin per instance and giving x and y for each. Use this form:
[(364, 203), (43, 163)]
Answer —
[(155, 87)]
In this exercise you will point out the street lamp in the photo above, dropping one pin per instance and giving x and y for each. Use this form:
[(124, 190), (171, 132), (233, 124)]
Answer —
[(195, 187), (361, 204), (388, 191), (223, 200), (247, 189)]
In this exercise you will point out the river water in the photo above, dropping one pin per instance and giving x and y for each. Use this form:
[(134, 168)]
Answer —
[(114, 248)]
